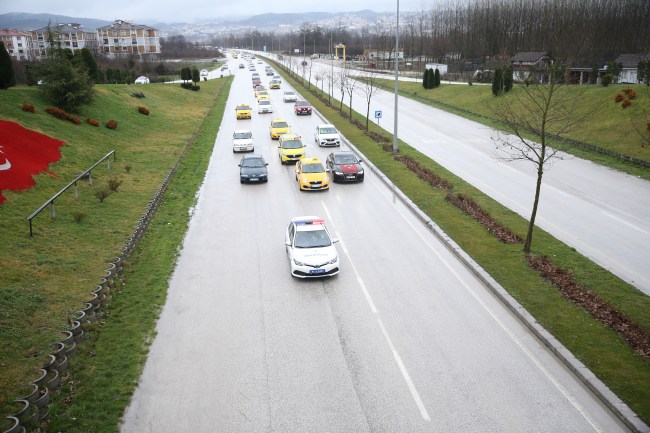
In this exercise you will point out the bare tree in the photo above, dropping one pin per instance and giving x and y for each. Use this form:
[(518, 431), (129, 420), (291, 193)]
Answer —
[(369, 89), (549, 111), (350, 83), (341, 81)]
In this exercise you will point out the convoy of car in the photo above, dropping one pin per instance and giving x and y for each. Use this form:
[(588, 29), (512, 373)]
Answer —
[(309, 246)]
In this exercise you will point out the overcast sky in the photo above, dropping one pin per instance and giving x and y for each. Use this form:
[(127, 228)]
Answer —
[(169, 11)]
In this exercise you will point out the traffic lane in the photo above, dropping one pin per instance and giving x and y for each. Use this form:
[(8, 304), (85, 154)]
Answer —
[(237, 330), (473, 363), (466, 148)]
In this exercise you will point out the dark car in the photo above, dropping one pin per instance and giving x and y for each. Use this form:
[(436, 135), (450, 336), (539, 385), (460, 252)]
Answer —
[(344, 167), (253, 169), (302, 107)]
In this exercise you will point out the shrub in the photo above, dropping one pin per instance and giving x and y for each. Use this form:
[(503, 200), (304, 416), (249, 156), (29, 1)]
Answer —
[(114, 183), (137, 95), (92, 122), (102, 194), (631, 94), (28, 107), (57, 112), (79, 216), (619, 97), (626, 103), (111, 124), (143, 110)]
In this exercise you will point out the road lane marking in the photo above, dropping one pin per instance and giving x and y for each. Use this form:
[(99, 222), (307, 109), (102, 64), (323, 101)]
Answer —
[(565, 393), (398, 359)]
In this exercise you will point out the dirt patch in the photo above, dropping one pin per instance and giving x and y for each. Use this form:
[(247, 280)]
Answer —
[(637, 337), (471, 208)]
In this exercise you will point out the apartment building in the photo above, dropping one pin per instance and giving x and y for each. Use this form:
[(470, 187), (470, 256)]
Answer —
[(17, 43), (71, 36), (123, 37)]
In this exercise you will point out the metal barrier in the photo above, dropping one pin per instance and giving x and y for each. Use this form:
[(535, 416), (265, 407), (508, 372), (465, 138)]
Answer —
[(88, 173)]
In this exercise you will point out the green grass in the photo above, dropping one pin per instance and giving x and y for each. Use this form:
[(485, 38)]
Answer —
[(44, 279), (603, 351), (610, 127)]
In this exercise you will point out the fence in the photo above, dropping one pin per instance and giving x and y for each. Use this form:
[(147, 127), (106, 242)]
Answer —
[(87, 173)]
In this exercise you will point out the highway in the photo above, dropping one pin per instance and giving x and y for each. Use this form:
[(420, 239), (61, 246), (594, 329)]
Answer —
[(404, 339), (602, 213)]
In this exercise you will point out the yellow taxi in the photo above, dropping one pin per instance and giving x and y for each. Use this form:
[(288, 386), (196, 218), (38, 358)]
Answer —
[(274, 84), (259, 89), (290, 148), (311, 175), (243, 111), (278, 127), (263, 95)]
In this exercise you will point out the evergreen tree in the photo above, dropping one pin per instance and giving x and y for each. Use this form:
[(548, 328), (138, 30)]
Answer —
[(436, 78), (196, 76), (643, 72), (497, 81), (7, 74), (431, 79), (593, 75), (508, 78), (90, 63), (186, 74), (425, 78)]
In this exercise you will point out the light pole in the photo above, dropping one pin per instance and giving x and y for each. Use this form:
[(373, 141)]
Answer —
[(396, 82)]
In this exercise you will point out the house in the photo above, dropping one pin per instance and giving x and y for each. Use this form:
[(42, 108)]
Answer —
[(125, 38), (71, 36), (629, 71), (17, 43), (526, 65)]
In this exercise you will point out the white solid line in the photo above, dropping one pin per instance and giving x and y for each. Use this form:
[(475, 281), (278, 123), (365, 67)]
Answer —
[(396, 355)]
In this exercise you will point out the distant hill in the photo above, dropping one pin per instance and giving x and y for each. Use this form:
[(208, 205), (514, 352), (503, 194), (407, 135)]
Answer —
[(24, 21), (272, 20)]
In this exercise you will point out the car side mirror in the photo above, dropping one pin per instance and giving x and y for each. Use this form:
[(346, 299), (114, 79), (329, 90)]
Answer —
[(266, 163), (335, 240), (287, 243), (238, 165)]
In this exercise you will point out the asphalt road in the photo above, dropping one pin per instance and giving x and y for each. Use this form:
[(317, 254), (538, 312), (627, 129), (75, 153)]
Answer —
[(604, 214), (404, 339)]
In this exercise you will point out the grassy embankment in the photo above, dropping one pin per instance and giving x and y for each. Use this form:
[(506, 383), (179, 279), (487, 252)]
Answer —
[(46, 278)]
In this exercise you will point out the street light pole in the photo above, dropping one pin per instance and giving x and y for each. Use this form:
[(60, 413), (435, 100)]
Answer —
[(396, 82)]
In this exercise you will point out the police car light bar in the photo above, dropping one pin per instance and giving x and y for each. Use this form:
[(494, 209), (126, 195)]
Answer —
[(308, 220)]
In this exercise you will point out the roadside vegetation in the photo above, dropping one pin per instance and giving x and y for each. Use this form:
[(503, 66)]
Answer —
[(45, 279), (625, 370)]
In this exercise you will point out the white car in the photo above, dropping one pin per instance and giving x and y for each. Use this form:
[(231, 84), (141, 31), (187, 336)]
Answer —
[(310, 248), (289, 96), (327, 135), (203, 73), (264, 106), (242, 141)]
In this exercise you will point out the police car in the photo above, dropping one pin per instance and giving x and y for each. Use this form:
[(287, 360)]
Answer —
[(310, 248)]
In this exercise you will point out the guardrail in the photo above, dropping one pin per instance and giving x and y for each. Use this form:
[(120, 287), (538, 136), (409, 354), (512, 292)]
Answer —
[(50, 202)]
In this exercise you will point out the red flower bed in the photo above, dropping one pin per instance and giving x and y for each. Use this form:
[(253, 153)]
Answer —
[(23, 153), (143, 110), (28, 107), (619, 97), (111, 124), (626, 103), (92, 122)]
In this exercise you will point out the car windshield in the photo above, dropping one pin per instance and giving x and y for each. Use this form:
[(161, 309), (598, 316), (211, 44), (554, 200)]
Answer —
[(345, 159), (280, 125), (242, 135), (253, 163), (243, 107), (327, 130), (265, 102), (316, 167), (292, 144), (303, 103), (289, 94), (312, 239)]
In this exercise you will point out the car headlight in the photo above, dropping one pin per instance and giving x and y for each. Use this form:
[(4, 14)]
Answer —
[(326, 179), (334, 260), (244, 175), (263, 175), (297, 263), (304, 179), (361, 171), (338, 173)]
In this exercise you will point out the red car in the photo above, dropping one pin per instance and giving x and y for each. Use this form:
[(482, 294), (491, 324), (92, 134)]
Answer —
[(257, 83), (302, 107)]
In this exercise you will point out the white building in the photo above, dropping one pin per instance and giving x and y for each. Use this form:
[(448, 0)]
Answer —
[(17, 43)]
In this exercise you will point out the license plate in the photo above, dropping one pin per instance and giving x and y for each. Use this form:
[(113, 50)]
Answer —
[(317, 271), (349, 177), (254, 179)]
